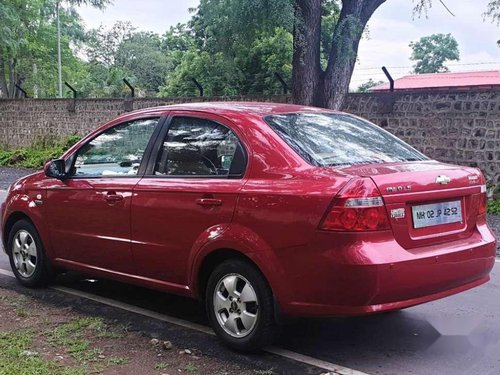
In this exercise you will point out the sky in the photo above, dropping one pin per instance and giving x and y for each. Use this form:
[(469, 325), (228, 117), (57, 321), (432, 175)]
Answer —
[(390, 31)]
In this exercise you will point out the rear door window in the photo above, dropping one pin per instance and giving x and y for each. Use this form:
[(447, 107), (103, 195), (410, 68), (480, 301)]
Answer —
[(335, 139), (198, 147)]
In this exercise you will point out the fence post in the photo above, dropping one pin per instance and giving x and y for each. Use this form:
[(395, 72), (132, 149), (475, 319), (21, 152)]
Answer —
[(22, 90), (129, 103), (72, 105), (200, 87), (283, 83)]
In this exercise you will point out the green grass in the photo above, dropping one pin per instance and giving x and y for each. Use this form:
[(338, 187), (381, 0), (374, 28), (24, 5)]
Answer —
[(161, 366), (72, 336), (191, 368), (36, 155), (13, 360)]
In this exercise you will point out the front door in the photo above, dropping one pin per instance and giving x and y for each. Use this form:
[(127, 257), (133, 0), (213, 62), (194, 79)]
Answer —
[(89, 212), (189, 196)]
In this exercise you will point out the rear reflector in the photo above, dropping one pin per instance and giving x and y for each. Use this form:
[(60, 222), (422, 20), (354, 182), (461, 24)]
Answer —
[(358, 207)]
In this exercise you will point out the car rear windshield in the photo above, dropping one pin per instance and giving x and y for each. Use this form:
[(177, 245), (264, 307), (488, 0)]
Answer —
[(335, 139)]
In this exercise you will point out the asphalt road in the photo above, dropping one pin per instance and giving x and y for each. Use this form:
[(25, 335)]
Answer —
[(456, 335)]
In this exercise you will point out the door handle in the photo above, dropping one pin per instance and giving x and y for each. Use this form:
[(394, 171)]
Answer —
[(208, 202), (113, 197)]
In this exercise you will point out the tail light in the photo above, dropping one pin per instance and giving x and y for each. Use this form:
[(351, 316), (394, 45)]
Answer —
[(358, 207)]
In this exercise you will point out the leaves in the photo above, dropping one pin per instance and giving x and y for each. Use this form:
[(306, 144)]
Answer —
[(432, 52)]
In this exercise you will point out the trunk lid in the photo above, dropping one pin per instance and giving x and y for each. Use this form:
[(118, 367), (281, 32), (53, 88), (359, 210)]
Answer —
[(427, 202)]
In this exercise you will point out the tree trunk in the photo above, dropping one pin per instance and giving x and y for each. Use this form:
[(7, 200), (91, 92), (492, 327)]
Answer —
[(306, 56), (312, 86), (12, 78), (3, 78), (348, 32)]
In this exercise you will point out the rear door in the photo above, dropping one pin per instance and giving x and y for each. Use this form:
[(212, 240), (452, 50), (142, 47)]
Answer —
[(188, 194)]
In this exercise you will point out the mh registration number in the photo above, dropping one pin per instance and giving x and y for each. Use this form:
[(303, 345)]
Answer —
[(436, 214)]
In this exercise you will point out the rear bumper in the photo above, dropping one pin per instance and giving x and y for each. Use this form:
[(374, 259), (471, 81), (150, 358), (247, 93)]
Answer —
[(376, 274), (329, 310)]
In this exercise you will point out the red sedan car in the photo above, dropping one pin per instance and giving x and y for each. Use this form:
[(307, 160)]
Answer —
[(260, 210)]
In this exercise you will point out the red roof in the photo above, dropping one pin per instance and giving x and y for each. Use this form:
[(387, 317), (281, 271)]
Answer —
[(464, 80)]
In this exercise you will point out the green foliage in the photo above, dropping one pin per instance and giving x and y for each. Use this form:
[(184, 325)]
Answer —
[(432, 52), (494, 207), (36, 155), (365, 87)]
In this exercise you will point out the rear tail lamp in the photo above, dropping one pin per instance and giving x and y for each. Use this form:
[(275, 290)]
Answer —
[(358, 207)]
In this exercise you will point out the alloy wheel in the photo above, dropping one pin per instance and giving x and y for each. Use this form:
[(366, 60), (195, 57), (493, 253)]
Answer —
[(235, 305)]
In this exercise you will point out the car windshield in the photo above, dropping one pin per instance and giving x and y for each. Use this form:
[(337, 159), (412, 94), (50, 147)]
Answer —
[(336, 139)]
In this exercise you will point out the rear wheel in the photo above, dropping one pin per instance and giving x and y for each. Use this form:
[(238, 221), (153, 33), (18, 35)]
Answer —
[(27, 255), (240, 306)]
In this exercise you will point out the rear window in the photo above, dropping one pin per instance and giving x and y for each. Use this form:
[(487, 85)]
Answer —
[(335, 139)]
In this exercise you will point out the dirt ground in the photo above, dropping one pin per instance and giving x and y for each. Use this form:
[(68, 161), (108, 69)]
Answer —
[(37, 338)]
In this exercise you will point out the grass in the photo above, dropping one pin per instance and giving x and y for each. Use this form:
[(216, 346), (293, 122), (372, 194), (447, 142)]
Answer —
[(72, 335), (161, 366), (14, 360), (36, 155), (191, 368)]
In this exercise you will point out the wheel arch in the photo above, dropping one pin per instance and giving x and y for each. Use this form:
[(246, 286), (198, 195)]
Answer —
[(212, 260), (13, 218)]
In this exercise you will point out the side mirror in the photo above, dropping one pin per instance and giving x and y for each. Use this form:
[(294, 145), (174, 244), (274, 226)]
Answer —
[(56, 169)]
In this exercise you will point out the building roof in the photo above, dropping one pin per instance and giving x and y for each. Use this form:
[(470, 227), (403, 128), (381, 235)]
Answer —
[(464, 80)]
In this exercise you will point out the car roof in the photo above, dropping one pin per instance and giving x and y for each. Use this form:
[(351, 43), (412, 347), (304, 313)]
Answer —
[(232, 108)]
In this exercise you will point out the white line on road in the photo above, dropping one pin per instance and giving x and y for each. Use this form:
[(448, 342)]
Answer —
[(341, 370)]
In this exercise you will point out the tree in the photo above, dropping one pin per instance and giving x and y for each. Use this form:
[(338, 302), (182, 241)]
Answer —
[(432, 52), (365, 87), (327, 87)]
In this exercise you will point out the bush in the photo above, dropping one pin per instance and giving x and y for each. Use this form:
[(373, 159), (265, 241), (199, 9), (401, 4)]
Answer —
[(494, 207), (36, 155)]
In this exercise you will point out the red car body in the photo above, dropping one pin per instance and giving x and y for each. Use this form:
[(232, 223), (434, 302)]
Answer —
[(160, 235)]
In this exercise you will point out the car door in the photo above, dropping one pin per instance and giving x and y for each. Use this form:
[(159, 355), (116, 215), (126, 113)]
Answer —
[(188, 194), (89, 212)]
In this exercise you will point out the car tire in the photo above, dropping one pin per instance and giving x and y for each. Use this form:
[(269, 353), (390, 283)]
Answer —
[(27, 255), (240, 306)]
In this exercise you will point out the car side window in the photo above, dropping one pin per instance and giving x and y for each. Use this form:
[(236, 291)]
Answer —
[(115, 152), (199, 147)]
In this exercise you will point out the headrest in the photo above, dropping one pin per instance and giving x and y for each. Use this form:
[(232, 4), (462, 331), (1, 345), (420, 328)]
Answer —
[(184, 152)]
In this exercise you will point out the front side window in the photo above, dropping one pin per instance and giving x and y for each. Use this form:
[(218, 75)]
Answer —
[(198, 147), (336, 139), (116, 152)]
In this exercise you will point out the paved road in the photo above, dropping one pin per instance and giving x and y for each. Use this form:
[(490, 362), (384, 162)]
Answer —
[(458, 334)]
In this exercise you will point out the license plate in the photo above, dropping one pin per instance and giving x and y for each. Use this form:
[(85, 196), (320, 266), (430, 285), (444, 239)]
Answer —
[(429, 215)]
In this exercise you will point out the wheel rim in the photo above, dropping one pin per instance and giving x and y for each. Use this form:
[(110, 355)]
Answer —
[(235, 305), (24, 253)]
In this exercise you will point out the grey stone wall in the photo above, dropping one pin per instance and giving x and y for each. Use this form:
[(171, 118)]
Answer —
[(455, 127), (25, 121)]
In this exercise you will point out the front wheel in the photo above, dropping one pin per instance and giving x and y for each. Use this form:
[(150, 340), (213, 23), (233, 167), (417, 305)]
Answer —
[(27, 255), (240, 306)]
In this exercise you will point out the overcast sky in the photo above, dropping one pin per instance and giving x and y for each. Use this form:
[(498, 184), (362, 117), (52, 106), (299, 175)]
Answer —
[(391, 29)]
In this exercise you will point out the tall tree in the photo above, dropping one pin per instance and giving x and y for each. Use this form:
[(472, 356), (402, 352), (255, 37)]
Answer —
[(313, 85), (432, 52)]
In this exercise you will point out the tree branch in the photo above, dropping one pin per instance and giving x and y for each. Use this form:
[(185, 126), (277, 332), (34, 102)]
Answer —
[(446, 7)]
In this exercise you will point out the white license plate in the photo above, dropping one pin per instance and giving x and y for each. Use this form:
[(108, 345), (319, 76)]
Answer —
[(436, 214)]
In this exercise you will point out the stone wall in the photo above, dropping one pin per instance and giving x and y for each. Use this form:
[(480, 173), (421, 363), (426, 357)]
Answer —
[(25, 121), (455, 127)]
